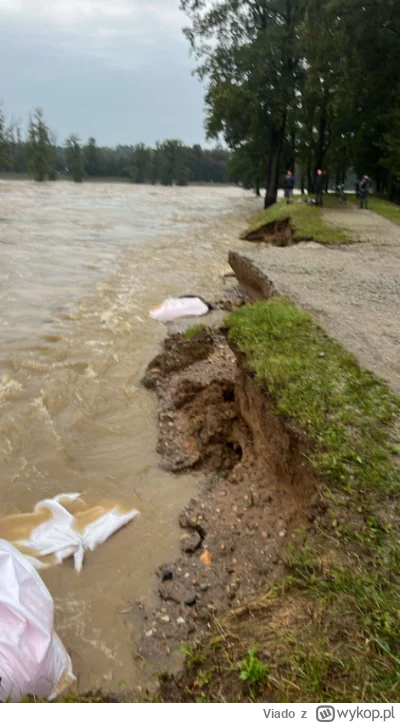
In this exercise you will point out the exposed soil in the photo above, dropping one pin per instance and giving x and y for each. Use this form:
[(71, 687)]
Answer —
[(214, 417), (277, 233)]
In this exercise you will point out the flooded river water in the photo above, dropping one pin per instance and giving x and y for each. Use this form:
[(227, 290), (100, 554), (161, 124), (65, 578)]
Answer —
[(80, 267)]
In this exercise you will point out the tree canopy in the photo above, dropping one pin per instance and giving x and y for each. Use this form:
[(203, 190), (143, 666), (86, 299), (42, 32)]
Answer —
[(308, 82)]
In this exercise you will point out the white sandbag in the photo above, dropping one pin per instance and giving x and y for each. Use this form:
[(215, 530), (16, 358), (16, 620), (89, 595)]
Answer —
[(173, 309), (63, 527), (33, 660)]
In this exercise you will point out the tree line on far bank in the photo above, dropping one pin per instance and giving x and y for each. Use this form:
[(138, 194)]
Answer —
[(169, 162), (305, 83)]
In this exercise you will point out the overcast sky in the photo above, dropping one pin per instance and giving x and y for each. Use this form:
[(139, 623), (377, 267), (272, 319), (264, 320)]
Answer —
[(116, 69)]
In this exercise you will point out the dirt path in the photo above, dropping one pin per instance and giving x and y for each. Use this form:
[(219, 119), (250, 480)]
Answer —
[(366, 226), (353, 291)]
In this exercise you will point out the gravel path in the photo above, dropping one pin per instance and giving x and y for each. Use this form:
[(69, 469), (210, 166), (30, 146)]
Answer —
[(353, 291)]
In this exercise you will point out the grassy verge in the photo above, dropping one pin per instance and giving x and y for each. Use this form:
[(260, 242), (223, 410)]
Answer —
[(306, 220), (330, 629), (382, 206)]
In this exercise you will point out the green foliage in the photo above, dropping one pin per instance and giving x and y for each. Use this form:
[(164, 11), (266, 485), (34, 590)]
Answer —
[(248, 164), (253, 671), (193, 331), (74, 158), (40, 147), (250, 68), (92, 158), (193, 656), (4, 153), (311, 83), (169, 163)]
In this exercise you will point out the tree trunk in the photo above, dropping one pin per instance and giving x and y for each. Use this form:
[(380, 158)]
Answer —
[(293, 151), (320, 155), (274, 156), (290, 160), (310, 181), (391, 187)]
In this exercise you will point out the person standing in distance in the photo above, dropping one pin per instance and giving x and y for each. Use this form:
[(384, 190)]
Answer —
[(365, 187), (289, 186)]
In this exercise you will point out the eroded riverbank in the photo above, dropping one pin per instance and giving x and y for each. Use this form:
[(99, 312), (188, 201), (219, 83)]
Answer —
[(290, 550), (257, 492)]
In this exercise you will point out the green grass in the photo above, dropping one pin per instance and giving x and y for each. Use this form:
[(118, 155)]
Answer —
[(307, 221), (253, 671), (382, 206), (329, 630), (193, 331), (344, 409)]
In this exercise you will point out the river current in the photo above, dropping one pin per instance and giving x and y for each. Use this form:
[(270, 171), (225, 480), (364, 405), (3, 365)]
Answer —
[(80, 267)]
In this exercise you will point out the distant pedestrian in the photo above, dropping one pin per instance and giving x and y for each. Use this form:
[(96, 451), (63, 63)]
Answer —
[(357, 187), (319, 187), (288, 185), (365, 187)]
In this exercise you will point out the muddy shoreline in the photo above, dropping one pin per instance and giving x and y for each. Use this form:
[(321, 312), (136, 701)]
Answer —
[(256, 492)]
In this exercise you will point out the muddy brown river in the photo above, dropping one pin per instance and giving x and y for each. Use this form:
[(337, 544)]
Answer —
[(80, 267)]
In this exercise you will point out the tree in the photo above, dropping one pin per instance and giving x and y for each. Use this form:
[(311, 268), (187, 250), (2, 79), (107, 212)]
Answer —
[(40, 148), (4, 151), (247, 166), (169, 156), (248, 51), (17, 149), (371, 29), (154, 173), (141, 161), (74, 157), (93, 158)]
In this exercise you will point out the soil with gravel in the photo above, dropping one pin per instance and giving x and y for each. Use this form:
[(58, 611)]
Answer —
[(352, 290), (214, 417)]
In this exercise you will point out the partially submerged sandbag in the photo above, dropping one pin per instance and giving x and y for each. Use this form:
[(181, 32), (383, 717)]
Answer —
[(63, 527), (33, 660), (172, 309)]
